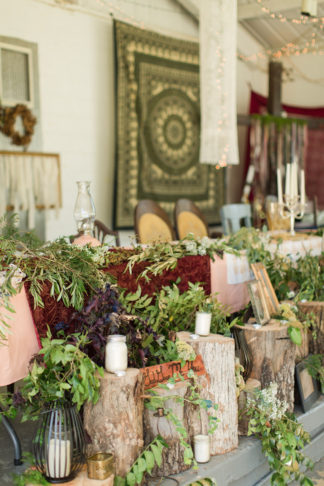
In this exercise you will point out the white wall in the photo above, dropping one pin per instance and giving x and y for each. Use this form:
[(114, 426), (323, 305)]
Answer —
[(76, 71)]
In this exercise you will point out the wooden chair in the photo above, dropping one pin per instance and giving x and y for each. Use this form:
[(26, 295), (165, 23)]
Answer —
[(309, 220), (152, 223), (100, 231), (189, 219), (232, 216)]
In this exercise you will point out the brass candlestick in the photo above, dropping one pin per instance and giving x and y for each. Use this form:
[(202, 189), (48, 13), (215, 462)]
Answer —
[(292, 208)]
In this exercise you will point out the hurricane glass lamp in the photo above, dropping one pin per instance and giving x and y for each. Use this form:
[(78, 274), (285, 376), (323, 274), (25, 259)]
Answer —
[(84, 209), (59, 445)]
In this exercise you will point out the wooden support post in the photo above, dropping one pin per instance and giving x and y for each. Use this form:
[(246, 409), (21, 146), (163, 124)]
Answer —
[(274, 97), (273, 356), (115, 422), (218, 354)]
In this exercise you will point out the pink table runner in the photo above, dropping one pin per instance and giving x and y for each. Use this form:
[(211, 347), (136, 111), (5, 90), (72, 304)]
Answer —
[(22, 341)]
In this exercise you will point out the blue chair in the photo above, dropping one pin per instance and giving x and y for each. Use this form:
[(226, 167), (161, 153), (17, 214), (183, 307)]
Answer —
[(233, 215)]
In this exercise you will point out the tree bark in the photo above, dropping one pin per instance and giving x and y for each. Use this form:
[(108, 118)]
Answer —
[(218, 354), (154, 424), (273, 358), (115, 422), (316, 340)]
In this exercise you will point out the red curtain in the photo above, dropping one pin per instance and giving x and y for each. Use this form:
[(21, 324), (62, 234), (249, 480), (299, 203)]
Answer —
[(314, 163)]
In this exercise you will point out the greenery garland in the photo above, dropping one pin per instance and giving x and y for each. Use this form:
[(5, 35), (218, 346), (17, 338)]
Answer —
[(9, 117)]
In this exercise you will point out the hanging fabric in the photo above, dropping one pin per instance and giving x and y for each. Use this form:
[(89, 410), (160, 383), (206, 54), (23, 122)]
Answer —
[(218, 139), (29, 181)]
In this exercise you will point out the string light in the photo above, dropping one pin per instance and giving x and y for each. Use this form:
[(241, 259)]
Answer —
[(302, 20), (287, 50)]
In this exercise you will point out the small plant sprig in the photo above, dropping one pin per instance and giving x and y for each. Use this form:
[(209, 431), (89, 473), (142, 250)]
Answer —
[(171, 310), (144, 464), (282, 437), (30, 475), (164, 256), (59, 372), (155, 401)]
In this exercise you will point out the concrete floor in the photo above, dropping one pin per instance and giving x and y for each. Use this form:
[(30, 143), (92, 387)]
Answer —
[(26, 432)]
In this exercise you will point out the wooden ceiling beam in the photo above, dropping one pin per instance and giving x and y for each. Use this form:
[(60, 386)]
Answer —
[(190, 7)]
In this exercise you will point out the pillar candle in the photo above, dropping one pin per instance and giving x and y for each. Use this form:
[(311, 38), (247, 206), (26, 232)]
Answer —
[(202, 326), (279, 184), (58, 458), (201, 448)]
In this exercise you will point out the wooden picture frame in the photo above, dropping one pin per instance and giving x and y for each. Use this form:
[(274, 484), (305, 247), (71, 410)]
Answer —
[(262, 276), (258, 301), (307, 386)]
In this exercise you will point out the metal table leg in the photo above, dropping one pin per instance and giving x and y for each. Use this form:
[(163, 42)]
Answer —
[(15, 439)]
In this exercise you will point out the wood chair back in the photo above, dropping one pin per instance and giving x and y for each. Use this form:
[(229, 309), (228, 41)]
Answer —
[(233, 215), (189, 219), (152, 223), (309, 220), (101, 231)]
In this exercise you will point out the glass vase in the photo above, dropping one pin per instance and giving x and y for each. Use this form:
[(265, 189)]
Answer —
[(84, 209)]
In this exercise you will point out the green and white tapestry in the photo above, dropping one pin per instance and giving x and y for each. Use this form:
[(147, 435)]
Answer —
[(158, 126)]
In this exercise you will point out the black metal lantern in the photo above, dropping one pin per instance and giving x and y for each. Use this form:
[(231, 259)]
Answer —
[(59, 446)]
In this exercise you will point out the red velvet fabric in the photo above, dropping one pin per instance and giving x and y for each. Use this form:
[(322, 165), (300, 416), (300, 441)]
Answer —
[(314, 154), (189, 269)]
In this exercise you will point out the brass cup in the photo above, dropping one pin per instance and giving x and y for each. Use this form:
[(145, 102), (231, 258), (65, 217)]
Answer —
[(100, 465)]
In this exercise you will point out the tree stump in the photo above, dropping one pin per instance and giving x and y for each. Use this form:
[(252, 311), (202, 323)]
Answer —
[(115, 422), (273, 358), (154, 424), (250, 386), (316, 345), (218, 354)]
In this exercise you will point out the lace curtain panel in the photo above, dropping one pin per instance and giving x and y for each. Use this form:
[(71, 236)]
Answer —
[(29, 182), (218, 145)]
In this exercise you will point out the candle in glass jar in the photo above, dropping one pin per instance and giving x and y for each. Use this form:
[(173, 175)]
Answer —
[(116, 353), (58, 458), (202, 325), (201, 448)]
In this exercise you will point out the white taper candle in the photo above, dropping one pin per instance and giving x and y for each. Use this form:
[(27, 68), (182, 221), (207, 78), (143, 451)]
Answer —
[(302, 187), (279, 184)]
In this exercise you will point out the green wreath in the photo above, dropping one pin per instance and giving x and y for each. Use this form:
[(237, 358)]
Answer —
[(9, 117)]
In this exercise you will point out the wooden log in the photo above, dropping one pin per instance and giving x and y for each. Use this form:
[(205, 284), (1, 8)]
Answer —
[(115, 422), (251, 386), (154, 424), (218, 354), (316, 340), (273, 356)]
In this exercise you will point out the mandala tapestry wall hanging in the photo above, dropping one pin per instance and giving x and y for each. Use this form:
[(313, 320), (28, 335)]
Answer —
[(158, 126)]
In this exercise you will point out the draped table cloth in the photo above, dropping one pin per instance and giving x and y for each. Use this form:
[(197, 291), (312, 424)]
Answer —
[(295, 246)]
